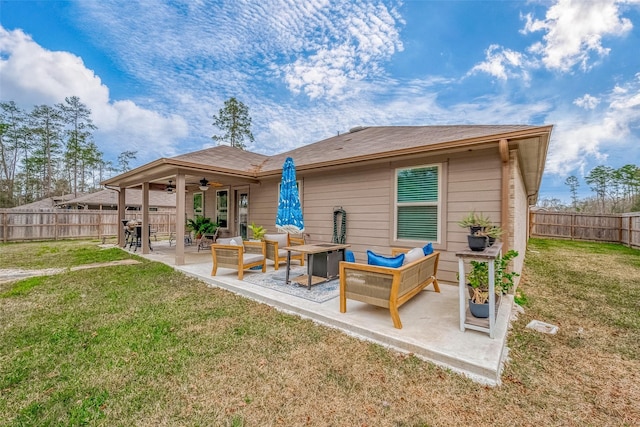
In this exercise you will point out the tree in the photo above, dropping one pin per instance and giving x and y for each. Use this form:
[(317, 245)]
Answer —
[(234, 120), (600, 179), (78, 117), (124, 158), (12, 137), (573, 184), (46, 125)]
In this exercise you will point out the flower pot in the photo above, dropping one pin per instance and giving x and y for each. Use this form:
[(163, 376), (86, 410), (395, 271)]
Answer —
[(477, 243), (479, 310), (482, 310)]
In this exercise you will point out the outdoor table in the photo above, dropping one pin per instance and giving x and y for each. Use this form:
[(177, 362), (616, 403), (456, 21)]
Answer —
[(136, 240), (466, 318), (331, 253)]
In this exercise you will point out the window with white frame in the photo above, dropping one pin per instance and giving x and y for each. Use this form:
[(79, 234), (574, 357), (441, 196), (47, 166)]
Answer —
[(417, 208), (222, 208)]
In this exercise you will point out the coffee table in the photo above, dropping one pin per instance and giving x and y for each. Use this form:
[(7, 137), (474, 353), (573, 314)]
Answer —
[(328, 256)]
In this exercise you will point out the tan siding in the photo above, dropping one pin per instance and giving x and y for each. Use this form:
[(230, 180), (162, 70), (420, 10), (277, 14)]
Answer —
[(263, 204), (363, 194), (473, 184)]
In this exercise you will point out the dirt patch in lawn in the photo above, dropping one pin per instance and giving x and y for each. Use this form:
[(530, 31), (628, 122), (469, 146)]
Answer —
[(8, 275)]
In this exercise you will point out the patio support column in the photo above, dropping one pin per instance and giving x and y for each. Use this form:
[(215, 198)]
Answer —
[(180, 217), (504, 214), (122, 210), (145, 217)]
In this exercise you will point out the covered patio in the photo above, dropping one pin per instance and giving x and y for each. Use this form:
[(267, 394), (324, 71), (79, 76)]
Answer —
[(431, 328)]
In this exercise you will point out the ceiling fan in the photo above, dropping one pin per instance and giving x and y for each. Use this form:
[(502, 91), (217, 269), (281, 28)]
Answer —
[(204, 184), (170, 187)]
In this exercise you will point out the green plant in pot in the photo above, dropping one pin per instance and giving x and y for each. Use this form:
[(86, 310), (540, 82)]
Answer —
[(475, 222), (477, 225), (258, 231), (201, 225), (478, 282)]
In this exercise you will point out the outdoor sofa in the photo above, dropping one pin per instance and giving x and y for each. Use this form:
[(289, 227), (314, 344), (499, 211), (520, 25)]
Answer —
[(275, 243), (388, 287)]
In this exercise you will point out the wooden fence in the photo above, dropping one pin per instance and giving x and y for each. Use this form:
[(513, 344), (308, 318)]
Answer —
[(621, 228), (58, 224)]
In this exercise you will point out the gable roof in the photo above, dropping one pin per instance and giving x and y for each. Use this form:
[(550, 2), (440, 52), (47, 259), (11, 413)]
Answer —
[(47, 203), (133, 198), (363, 144)]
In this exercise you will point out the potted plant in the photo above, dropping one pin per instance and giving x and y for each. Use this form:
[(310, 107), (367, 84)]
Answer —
[(258, 231), (475, 222), (201, 225), (480, 229), (478, 282)]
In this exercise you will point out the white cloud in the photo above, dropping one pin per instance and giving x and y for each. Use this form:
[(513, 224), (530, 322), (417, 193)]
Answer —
[(579, 140), (574, 32), (503, 63), (587, 102), (32, 75)]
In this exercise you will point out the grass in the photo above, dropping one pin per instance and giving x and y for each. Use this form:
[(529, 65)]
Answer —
[(145, 345)]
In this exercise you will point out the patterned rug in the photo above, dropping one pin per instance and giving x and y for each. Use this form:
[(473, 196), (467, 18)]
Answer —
[(275, 280)]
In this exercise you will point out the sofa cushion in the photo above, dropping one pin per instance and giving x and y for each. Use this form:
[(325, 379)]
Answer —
[(428, 249), (349, 256), (281, 238), (383, 261), (414, 255)]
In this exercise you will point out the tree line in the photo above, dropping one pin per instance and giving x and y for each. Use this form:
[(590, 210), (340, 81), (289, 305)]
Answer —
[(50, 151), (614, 191)]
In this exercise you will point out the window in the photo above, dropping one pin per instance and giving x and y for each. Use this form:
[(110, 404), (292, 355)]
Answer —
[(417, 212), (198, 204), (222, 208)]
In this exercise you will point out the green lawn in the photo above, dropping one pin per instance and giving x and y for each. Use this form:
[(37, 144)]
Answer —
[(145, 345)]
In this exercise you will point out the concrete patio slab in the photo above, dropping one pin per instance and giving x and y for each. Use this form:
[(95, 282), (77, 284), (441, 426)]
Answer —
[(431, 326)]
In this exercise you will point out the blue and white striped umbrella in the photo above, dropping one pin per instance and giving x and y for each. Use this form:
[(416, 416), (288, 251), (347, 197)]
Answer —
[(289, 218)]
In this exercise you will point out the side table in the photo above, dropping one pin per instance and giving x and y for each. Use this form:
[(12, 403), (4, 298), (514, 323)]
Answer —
[(467, 321)]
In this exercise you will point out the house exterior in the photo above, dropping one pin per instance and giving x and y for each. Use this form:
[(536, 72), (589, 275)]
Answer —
[(399, 186)]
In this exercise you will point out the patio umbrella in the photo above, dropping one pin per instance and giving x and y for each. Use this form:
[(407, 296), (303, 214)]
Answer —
[(289, 218)]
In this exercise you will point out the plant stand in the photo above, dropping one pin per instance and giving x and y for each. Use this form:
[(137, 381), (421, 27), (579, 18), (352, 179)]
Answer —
[(467, 321)]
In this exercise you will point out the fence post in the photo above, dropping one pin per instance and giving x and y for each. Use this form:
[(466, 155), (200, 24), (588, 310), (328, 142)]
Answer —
[(573, 223), (55, 226), (5, 228)]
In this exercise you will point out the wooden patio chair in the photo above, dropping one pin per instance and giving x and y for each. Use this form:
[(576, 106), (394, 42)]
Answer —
[(233, 253), (274, 245), (207, 239)]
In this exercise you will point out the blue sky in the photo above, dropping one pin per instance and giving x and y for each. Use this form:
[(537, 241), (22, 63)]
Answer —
[(154, 72)]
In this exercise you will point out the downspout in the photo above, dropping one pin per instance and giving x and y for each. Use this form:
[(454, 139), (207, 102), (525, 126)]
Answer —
[(503, 146)]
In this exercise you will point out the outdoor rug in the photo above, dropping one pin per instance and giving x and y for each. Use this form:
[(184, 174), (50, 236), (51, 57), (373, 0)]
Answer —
[(275, 280)]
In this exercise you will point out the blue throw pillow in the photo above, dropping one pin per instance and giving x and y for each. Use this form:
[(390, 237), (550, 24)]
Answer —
[(349, 256), (383, 261), (428, 249)]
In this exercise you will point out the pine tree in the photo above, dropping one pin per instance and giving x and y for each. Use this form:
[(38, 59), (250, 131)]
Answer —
[(234, 120)]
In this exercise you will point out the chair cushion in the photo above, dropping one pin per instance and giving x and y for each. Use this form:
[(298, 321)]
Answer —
[(249, 258), (414, 255), (237, 240), (282, 239), (428, 249), (383, 261)]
